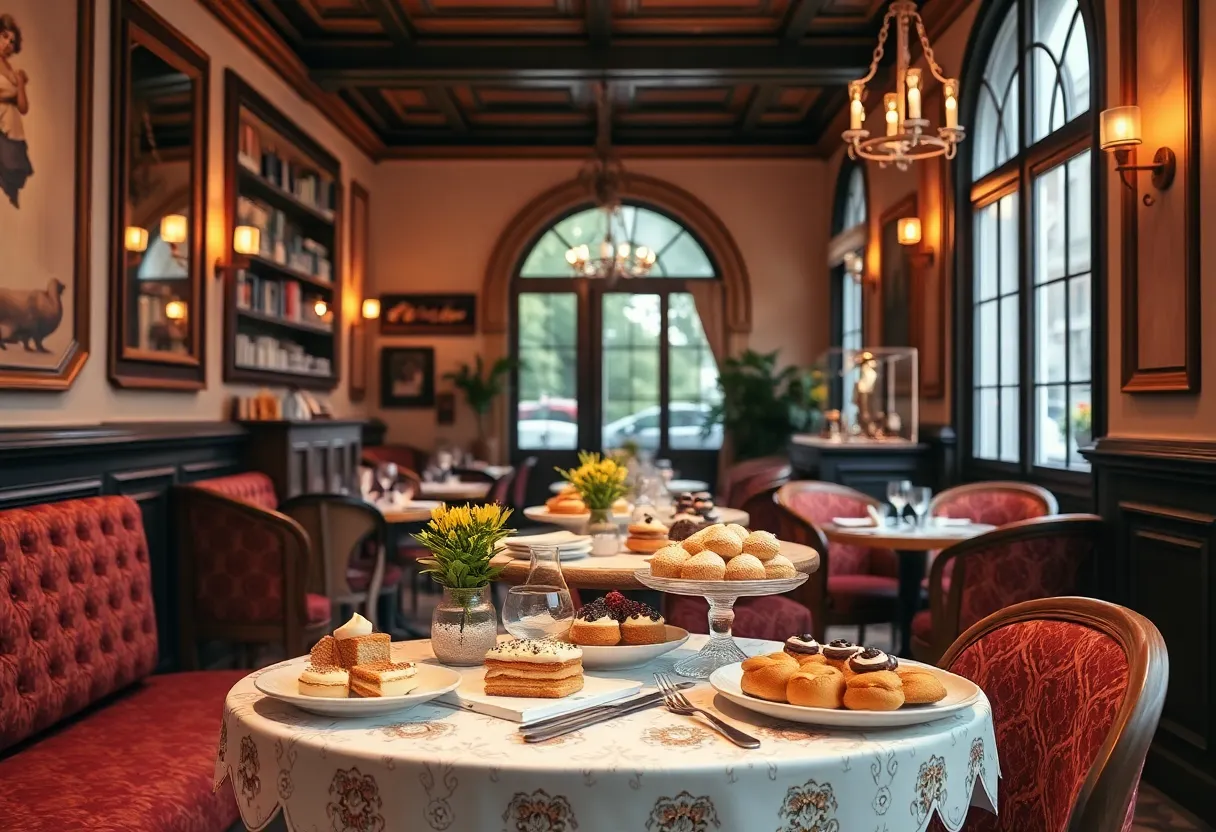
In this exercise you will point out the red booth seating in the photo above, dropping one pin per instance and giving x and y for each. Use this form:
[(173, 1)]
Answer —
[(89, 739)]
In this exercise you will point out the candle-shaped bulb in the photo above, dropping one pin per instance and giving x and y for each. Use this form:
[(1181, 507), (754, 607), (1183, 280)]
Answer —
[(857, 111), (892, 102), (950, 91), (913, 83), (571, 256)]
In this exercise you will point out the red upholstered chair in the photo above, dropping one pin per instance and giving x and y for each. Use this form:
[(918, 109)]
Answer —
[(735, 481), (1037, 558), (245, 569), (1076, 686), (404, 456), (78, 644), (757, 496), (854, 585)]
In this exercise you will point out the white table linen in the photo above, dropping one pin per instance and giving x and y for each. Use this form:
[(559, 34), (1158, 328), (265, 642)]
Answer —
[(435, 768)]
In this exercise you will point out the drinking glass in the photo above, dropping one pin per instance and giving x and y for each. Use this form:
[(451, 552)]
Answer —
[(919, 498), (541, 607), (897, 496), (386, 475)]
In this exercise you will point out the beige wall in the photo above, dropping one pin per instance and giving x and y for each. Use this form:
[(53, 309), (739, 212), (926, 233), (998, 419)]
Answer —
[(434, 225), (92, 398)]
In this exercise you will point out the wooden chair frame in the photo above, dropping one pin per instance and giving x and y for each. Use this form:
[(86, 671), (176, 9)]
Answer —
[(1037, 491), (798, 529), (1105, 797), (293, 630), (945, 607)]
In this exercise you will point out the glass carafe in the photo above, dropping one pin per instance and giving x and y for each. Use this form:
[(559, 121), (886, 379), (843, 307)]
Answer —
[(541, 607)]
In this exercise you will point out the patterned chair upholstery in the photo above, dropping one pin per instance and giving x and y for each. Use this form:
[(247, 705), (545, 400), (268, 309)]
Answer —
[(77, 647), (245, 569), (1076, 687), (854, 585), (1037, 558), (995, 503)]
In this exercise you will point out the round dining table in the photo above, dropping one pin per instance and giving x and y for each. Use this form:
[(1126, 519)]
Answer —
[(677, 486), (438, 767), (455, 491), (616, 571), (912, 545)]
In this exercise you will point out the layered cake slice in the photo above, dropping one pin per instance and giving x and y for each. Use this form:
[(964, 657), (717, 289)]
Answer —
[(383, 679), (355, 643), (324, 682), (542, 669)]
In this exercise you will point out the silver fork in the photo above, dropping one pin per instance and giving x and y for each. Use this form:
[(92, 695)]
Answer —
[(677, 703)]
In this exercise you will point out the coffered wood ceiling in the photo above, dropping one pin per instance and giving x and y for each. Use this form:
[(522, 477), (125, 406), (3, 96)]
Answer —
[(522, 77)]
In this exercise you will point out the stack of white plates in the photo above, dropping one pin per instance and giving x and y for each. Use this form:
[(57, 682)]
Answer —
[(570, 546)]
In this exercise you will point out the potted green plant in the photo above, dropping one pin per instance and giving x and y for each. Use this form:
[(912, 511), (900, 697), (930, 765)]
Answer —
[(480, 389), (461, 540), (762, 405)]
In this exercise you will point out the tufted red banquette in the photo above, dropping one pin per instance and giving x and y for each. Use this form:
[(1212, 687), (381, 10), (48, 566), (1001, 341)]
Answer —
[(78, 639)]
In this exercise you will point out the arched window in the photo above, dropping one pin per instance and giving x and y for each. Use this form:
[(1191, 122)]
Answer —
[(1027, 252), (849, 232), (610, 362)]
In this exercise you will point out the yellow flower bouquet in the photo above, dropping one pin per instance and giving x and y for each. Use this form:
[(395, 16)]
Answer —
[(599, 481)]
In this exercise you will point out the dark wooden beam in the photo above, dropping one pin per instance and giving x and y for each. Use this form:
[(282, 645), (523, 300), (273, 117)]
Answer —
[(762, 99), (396, 22), (813, 65), (441, 97), (800, 21), (599, 23)]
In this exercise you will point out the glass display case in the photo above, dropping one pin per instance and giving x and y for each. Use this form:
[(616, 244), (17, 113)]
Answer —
[(873, 396)]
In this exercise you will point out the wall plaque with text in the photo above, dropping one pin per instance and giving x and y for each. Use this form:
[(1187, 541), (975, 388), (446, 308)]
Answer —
[(428, 314)]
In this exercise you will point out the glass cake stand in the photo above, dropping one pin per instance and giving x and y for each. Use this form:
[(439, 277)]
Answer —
[(721, 648)]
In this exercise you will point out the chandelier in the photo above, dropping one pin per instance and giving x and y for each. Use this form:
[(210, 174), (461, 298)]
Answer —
[(906, 139), (604, 177)]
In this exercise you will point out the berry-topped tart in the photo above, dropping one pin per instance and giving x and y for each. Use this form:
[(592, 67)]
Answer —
[(615, 631)]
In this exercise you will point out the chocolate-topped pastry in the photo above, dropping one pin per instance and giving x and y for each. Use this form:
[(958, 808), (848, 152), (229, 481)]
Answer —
[(871, 660), (683, 528), (804, 645), (703, 504), (686, 503), (839, 651)]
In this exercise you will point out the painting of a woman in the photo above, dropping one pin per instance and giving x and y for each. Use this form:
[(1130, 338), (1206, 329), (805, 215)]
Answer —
[(15, 165)]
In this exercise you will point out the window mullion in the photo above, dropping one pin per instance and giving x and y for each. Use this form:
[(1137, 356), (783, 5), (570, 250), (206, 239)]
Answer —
[(664, 375)]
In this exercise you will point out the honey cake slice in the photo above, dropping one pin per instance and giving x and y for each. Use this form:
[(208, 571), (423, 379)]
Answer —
[(534, 668), (383, 678)]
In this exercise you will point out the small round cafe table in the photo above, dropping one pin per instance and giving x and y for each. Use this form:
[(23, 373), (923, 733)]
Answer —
[(673, 486), (450, 770), (454, 491), (912, 545), (408, 513), (616, 571)]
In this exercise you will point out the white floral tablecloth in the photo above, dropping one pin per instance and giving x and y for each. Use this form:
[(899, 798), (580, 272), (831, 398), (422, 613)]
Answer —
[(437, 768)]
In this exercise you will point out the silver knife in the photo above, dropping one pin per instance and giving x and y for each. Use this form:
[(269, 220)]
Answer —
[(557, 726)]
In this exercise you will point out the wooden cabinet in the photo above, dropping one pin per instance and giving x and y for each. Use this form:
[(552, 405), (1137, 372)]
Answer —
[(307, 457)]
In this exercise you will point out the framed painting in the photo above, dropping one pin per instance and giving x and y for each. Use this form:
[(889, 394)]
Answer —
[(46, 146), (357, 277), (407, 377)]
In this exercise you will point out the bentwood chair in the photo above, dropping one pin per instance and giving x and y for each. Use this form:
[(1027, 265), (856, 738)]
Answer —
[(338, 526), (757, 496), (854, 585), (734, 486), (1076, 687), (1036, 558)]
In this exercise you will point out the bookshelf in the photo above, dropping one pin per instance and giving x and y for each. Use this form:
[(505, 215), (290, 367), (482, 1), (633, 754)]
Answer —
[(278, 179)]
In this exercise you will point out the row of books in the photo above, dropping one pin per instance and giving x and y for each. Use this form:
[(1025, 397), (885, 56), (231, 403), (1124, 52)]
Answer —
[(265, 352), (284, 299), (301, 181), (282, 241)]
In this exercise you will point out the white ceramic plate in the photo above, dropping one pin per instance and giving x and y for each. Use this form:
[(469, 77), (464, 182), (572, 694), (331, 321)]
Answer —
[(960, 693), (573, 522), (282, 683), (562, 554), (631, 655)]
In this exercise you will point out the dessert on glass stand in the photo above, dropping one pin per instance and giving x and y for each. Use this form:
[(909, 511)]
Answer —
[(720, 563)]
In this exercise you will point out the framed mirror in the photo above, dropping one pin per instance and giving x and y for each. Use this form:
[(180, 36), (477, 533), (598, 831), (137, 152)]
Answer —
[(158, 191)]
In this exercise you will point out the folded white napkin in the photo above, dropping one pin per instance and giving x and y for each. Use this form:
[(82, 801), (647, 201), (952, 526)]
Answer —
[(952, 521), (853, 522), (560, 538)]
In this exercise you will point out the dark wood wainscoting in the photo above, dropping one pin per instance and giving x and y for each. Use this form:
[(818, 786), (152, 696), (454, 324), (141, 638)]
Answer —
[(1160, 498), (140, 461)]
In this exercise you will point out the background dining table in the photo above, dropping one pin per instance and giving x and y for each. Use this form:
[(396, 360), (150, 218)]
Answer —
[(912, 545), (446, 769), (454, 490)]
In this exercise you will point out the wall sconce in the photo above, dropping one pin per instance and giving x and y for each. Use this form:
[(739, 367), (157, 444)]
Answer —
[(246, 242), (175, 310), (135, 239), (1119, 134), (908, 229), (320, 307), (174, 228), (371, 308)]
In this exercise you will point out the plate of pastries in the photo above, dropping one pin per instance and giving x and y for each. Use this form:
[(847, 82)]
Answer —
[(707, 556), (567, 509), (843, 684), (352, 673), (616, 632)]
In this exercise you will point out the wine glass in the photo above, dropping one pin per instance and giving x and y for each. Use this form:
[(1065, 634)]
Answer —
[(897, 496), (918, 499), (541, 607), (386, 475)]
